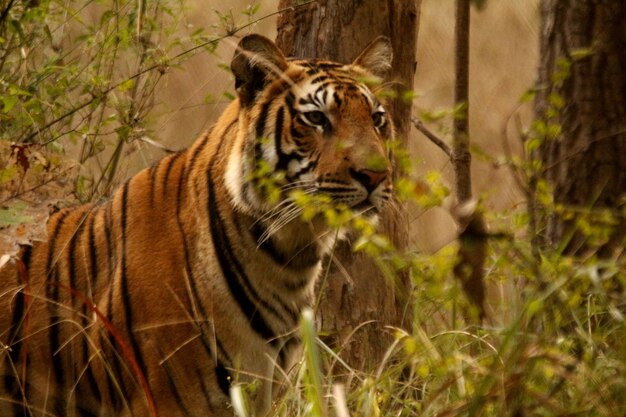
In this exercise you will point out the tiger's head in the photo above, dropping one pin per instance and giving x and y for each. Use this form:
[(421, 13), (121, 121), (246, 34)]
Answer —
[(318, 123)]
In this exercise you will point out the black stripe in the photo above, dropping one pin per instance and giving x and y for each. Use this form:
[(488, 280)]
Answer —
[(289, 344), (283, 159), (125, 293), (172, 383), (338, 100), (115, 391), (72, 255), (200, 322), (27, 251), (256, 231), (73, 275), (93, 271), (293, 262), (11, 382), (168, 170), (91, 378), (205, 390), (223, 378), (222, 374), (232, 269), (289, 101), (52, 240), (260, 137), (93, 252), (85, 413), (153, 174), (54, 331), (335, 190), (327, 65), (260, 124), (108, 227), (308, 167), (270, 249), (320, 102), (319, 78), (193, 157), (296, 134), (267, 246), (114, 360), (113, 357), (241, 230), (54, 336)]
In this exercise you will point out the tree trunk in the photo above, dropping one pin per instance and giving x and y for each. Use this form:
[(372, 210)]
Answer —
[(339, 30), (586, 162)]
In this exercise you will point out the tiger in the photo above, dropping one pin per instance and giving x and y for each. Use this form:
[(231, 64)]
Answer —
[(191, 279)]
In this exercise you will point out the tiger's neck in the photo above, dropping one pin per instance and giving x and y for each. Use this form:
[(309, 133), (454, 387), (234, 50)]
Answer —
[(297, 245)]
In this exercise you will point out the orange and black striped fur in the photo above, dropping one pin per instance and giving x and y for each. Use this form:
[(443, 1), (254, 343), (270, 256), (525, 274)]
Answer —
[(189, 279)]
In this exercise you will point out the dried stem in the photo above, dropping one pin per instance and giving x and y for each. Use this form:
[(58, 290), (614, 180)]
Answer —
[(419, 125)]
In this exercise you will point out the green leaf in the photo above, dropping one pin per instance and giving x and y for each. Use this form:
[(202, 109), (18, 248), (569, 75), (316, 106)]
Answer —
[(8, 102), (532, 144), (528, 95), (17, 27), (554, 131), (12, 216), (8, 173), (126, 85), (581, 53), (556, 100)]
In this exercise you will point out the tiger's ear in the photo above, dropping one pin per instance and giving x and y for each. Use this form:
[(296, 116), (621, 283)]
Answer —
[(376, 57), (257, 60)]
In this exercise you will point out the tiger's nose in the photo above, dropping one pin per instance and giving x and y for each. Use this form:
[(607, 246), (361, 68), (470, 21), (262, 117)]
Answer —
[(369, 178)]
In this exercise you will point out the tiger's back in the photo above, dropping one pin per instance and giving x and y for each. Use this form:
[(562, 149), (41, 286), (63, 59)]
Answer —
[(190, 279)]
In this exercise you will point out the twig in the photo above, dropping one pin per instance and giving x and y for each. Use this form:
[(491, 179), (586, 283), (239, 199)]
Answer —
[(419, 125)]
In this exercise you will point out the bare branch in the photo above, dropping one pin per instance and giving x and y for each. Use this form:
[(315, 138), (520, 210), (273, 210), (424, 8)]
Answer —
[(419, 125)]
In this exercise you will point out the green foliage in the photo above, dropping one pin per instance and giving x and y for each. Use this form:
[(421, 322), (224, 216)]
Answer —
[(553, 345)]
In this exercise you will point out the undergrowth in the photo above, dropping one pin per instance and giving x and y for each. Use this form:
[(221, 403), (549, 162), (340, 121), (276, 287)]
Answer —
[(553, 342)]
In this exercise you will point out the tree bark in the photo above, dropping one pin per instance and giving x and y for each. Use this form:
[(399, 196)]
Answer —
[(357, 292), (461, 156), (586, 162)]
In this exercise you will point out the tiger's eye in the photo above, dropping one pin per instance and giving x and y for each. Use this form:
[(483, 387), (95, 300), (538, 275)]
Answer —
[(378, 118), (315, 117)]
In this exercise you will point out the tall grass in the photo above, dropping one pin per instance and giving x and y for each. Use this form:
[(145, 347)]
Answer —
[(555, 346)]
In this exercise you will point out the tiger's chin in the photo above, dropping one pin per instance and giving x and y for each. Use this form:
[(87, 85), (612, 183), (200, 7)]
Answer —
[(367, 209)]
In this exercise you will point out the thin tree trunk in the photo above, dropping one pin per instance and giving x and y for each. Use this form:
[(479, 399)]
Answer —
[(357, 292), (461, 157), (586, 162), (469, 269)]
